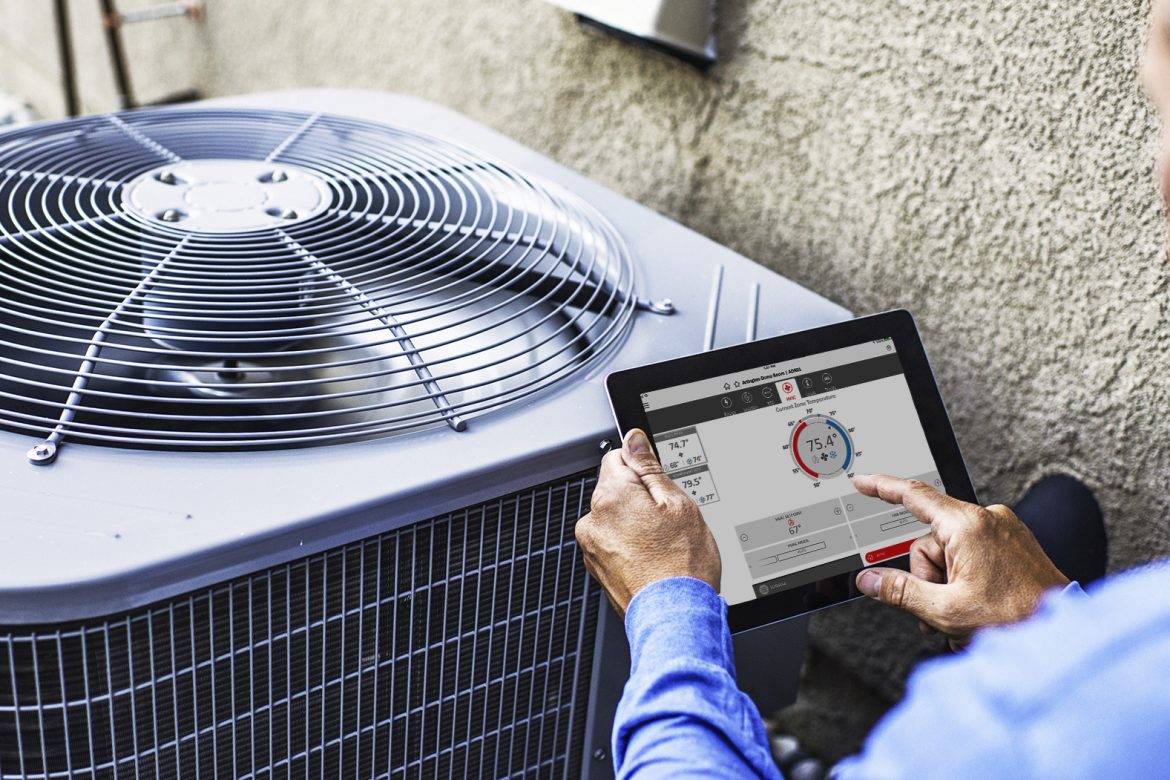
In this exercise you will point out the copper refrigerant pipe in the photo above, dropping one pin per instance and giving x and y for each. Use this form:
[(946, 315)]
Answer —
[(65, 52)]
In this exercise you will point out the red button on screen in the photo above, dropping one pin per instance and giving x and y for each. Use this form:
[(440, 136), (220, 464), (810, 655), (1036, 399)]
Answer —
[(885, 553)]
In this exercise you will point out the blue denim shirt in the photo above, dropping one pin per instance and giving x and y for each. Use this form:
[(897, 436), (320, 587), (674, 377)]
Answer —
[(1082, 690)]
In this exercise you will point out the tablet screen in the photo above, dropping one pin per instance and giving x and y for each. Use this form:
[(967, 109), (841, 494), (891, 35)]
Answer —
[(767, 453)]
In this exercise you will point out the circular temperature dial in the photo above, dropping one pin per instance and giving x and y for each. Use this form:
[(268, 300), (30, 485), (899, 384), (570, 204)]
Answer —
[(821, 447)]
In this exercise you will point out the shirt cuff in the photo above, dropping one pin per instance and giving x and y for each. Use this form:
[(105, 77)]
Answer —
[(1073, 589), (1056, 596), (680, 617)]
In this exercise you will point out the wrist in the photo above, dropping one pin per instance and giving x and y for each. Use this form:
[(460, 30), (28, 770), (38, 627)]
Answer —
[(1055, 580), (671, 590), (678, 617), (638, 585)]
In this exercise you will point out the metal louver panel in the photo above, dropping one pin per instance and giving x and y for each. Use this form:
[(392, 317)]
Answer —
[(238, 279), (456, 647)]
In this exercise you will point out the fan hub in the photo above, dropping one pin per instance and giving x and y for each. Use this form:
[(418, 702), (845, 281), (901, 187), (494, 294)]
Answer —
[(226, 196)]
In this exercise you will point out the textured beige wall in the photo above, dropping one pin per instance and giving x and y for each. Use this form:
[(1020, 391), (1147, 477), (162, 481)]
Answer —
[(987, 165), (165, 55)]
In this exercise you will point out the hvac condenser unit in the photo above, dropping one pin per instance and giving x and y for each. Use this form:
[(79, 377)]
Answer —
[(298, 406)]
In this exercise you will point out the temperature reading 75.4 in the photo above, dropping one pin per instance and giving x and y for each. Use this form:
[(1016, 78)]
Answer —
[(821, 447), (828, 442)]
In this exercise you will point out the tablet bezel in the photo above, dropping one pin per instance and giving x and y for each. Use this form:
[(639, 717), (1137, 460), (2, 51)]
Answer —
[(625, 390)]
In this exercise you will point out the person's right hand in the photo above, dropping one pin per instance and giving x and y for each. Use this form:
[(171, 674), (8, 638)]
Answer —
[(978, 566)]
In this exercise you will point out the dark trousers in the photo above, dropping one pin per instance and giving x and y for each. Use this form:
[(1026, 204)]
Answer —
[(1065, 518)]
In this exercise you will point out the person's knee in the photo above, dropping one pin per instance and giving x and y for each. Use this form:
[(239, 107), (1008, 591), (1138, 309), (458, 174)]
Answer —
[(1071, 489), (1071, 498), (1066, 518)]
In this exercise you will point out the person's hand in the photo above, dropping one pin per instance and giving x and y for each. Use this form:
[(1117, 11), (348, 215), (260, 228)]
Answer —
[(978, 566), (642, 527)]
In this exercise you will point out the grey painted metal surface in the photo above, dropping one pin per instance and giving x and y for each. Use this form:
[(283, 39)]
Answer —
[(106, 529)]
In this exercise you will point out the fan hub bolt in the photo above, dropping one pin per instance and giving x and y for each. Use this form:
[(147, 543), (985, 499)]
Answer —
[(43, 453), (171, 215)]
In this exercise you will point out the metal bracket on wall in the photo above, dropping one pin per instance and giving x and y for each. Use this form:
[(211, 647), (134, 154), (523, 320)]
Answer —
[(680, 28), (192, 9), (113, 21)]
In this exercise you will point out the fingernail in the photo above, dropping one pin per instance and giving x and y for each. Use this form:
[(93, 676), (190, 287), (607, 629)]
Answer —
[(637, 443), (869, 582)]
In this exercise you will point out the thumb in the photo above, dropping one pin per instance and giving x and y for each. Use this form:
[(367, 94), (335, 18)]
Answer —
[(904, 591), (638, 455)]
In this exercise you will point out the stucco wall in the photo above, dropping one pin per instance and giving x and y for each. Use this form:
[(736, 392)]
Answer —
[(987, 165)]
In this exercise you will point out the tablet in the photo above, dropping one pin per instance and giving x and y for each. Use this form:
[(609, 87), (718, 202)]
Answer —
[(765, 437)]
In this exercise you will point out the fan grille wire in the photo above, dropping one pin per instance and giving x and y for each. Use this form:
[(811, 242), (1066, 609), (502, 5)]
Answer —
[(428, 286)]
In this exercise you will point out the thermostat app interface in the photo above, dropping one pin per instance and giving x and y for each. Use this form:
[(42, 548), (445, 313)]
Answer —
[(768, 455)]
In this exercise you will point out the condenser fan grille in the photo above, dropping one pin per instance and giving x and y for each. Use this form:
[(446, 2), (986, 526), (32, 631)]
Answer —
[(234, 279)]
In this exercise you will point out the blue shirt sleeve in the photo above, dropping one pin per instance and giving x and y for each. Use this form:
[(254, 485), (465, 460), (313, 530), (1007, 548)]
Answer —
[(681, 714), (1079, 691)]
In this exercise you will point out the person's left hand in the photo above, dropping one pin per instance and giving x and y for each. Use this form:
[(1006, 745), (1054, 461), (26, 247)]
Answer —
[(642, 527)]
